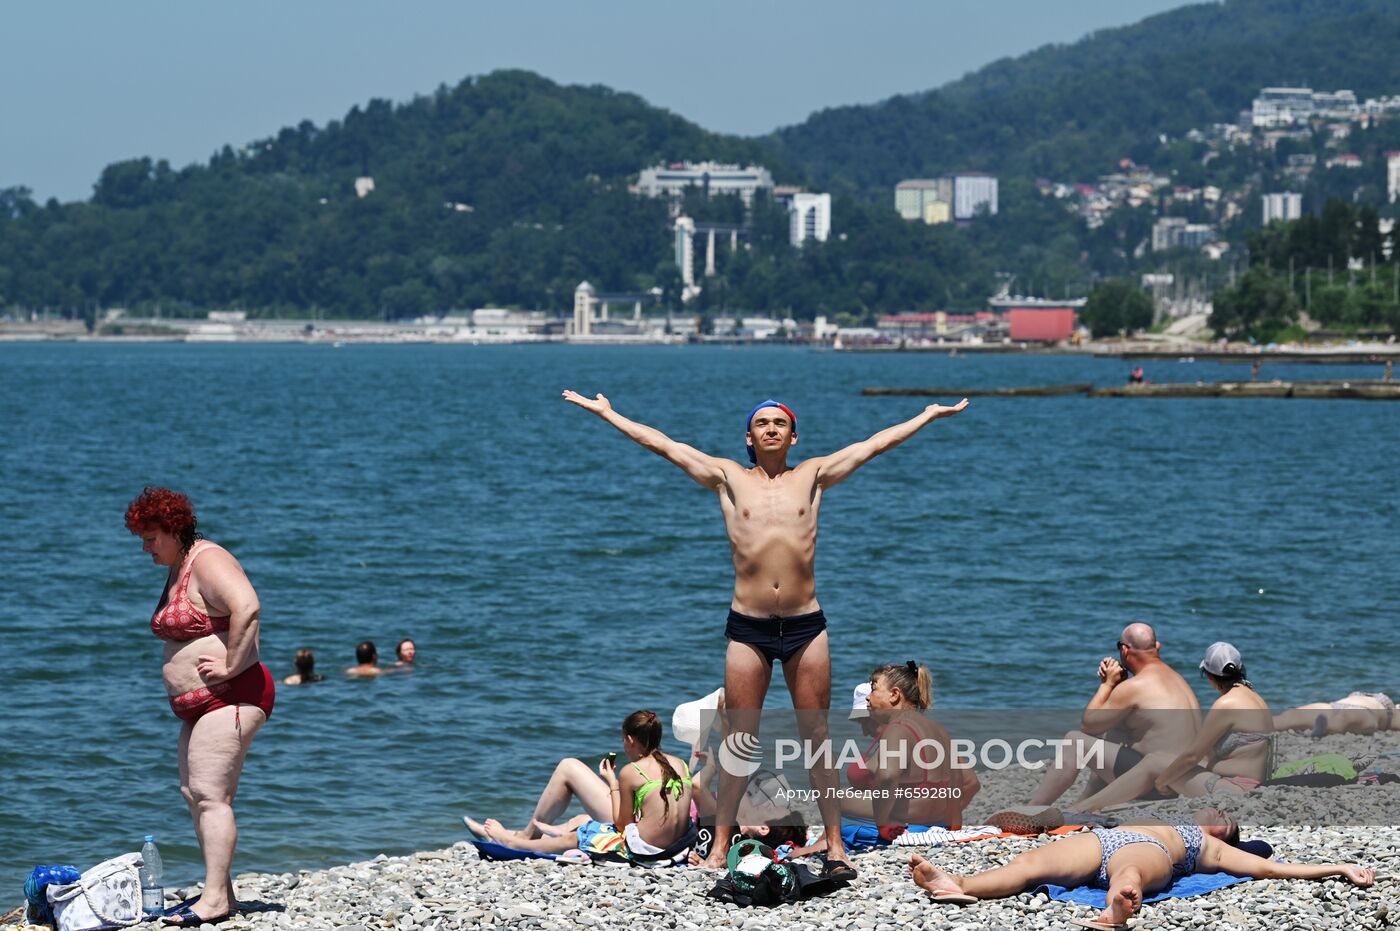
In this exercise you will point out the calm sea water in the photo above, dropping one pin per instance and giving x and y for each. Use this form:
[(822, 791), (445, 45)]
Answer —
[(556, 577)]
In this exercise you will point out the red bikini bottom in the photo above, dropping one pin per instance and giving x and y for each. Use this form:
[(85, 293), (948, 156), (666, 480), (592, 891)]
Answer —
[(252, 686)]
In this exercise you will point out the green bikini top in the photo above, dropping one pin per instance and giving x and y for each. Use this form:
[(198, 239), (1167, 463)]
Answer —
[(651, 785)]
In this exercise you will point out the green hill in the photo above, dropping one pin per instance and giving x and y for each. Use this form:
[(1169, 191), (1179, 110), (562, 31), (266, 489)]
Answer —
[(1068, 112)]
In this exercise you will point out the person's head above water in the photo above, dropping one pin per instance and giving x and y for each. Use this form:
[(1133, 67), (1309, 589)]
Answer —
[(772, 425), (366, 654)]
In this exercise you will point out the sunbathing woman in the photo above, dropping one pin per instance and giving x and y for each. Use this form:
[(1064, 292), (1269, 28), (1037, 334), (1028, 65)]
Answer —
[(1231, 752), (1358, 713), (644, 806), (902, 789), (1129, 863)]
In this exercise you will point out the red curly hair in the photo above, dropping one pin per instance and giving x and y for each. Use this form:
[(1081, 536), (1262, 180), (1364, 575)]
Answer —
[(168, 510)]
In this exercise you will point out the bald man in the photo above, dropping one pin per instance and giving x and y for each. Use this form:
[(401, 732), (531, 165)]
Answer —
[(1142, 705)]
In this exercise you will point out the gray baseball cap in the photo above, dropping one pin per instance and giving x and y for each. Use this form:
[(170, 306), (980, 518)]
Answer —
[(1219, 655)]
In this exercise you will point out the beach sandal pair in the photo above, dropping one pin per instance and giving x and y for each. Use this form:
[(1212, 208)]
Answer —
[(1029, 819)]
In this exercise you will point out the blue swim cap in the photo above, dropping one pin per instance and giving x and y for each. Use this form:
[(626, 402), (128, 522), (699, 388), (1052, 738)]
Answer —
[(748, 422)]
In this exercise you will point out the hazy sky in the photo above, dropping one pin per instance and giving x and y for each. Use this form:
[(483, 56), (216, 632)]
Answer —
[(89, 83)]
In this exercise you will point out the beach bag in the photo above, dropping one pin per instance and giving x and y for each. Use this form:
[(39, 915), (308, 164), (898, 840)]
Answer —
[(106, 896), (758, 876)]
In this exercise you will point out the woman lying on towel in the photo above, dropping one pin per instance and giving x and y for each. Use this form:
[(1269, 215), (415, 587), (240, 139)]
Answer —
[(1358, 713), (1231, 752), (636, 810), (1129, 862)]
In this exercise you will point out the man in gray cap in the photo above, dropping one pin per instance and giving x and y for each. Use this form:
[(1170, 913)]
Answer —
[(1142, 705)]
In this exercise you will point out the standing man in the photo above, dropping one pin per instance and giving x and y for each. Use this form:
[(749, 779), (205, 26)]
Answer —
[(770, 514)]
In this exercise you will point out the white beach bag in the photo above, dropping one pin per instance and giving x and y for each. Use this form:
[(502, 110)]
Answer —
[(106, 896)]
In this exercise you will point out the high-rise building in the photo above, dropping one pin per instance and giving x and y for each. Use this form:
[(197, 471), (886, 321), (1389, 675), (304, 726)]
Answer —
[(685, 250), (710, 177), (913, 197), (973, 191), (1282, 206), (809, 217), (1392, 175)]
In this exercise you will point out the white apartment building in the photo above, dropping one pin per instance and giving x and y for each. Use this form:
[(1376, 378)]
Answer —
[(1283, 106), (809, 217), (973, 190), (1283, 206), (710, 177)]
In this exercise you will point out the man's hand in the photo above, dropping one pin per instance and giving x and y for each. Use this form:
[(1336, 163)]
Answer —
[(1111, 672), (599, 405), (939, 411)]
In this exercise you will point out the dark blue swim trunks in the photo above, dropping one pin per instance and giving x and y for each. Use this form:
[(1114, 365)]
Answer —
[(777, 638)]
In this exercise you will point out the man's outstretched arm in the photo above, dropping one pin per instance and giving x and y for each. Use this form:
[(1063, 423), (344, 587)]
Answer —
[(706, 470), (839, 465)]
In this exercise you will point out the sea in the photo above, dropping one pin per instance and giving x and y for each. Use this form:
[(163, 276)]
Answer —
[(556, 577)]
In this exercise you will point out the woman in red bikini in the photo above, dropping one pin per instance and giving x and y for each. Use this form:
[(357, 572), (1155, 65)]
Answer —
[(903, 788), (208, 620)]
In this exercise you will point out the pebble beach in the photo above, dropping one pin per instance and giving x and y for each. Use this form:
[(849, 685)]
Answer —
[(453, 888)]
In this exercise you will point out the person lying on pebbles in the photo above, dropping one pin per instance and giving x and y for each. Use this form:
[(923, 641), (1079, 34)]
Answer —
[(1128, 862)]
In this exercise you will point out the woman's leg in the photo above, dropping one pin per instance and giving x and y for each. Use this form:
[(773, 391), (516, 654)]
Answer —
[(572, 779), (1070, 861), (549, 843), (1135, 783), (1134, 871), (214, 755)]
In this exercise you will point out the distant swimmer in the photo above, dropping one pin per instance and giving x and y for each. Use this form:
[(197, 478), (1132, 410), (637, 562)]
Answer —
[(368, 659), (405, 651), (306, 673), (770, 514)]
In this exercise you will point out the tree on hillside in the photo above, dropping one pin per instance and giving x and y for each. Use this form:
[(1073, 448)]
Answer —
[(1259, 307), (1117, 306)]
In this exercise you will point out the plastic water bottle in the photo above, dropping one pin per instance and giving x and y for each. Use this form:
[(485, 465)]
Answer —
[(152, 875)]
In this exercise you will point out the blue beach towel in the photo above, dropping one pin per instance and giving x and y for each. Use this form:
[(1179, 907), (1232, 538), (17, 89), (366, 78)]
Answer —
[(863, 835), (1183, 888), (490, 851)]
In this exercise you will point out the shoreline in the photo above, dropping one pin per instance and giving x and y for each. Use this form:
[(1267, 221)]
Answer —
[(452, 888)]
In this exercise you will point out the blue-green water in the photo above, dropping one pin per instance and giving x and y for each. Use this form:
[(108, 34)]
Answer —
[(555, 577)]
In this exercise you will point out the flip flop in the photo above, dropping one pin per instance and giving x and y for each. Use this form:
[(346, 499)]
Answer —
[(841, 871), (957, 898), (190, 919), (183, 906), (1098, 925)]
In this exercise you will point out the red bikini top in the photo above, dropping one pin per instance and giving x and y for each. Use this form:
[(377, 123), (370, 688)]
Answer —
[(178, 618)]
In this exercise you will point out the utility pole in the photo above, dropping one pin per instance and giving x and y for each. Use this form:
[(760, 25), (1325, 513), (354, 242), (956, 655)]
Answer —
[(1307, 288)]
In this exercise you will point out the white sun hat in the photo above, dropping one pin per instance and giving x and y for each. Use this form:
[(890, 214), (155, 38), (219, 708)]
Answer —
[(694, 720)]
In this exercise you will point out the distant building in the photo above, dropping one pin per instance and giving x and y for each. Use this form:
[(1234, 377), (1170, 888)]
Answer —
[(685, 253), (809, 217), (1392, 175), (1176, 233), (973, 191), (1344, 160), (936, 211), (913, 197), (1042, 324), (584, 300), (710, 177), (1284, 206), (363, 185), (1285, 106)]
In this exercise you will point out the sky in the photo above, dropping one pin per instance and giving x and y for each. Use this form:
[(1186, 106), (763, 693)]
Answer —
[(89, 83)]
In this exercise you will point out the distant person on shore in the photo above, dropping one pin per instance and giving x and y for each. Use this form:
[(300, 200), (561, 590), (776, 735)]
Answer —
[(770, 514), (1141, 706), (637, 810), (1231, 754), (405, 651), (1130, 863), (1357, 713), (305, 662), (1136, 377), (1254, 371), (367, 658), (208, 619)]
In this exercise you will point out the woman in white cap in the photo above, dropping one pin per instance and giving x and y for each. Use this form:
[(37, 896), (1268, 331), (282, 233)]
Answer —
[(1232, 752)]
